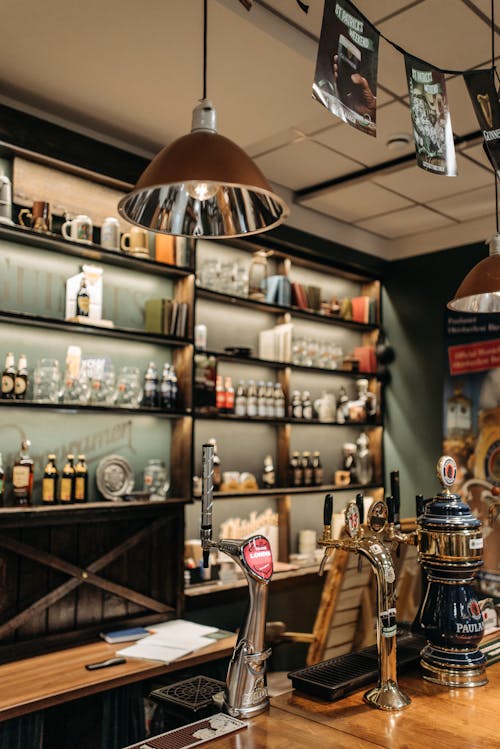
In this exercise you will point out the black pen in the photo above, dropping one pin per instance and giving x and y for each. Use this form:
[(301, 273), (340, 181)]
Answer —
[(105, 664)]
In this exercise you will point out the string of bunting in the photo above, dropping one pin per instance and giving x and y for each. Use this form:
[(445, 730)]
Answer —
[(345, 82)]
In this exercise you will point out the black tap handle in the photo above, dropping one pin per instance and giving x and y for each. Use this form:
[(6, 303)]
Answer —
[(390, 509), (328, 510), (396, 495), (361, 507), (419, 505)]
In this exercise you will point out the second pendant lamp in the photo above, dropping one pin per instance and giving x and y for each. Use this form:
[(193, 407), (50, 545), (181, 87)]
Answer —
[(203, 184)]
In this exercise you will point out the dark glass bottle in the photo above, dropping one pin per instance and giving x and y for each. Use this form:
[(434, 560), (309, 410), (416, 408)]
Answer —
[(22, 476), (49, 482), (67, 483), (9, 378), (150, 396), (83, 300), (307, 409), (2, 482), (268, 474), (295, 470), (166, 389), (21, 381), (81, 480), (296, 405), (317, 469), (307, 469)]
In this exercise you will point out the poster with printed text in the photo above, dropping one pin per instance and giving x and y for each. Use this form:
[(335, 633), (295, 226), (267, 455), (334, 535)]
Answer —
[(471, 424), (430, 116), (484, 97), (345, 81)]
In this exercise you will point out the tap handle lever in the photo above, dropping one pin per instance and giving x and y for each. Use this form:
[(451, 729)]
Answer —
[(390, 509), (361, 507), (396, 494), (328, 510), (207, 469), (419, 505)]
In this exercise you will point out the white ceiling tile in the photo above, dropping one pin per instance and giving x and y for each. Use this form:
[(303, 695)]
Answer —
[(375, 10), (477, 153), (391, 119), (448, 35), (355, 202), (468, 205), (310, 21), (409, 221), (391, 69), (424, 186), (283, 138), (463, 118), (302, 164)]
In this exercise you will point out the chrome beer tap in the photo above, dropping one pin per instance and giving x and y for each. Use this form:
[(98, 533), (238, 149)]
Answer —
[(386, 695), (246, 693)]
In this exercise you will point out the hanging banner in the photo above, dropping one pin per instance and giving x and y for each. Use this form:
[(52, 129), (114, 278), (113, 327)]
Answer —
[(471, 419), (430, 116), (345, 81), (484, 96)]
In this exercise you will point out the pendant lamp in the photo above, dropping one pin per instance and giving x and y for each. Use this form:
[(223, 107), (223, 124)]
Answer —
[(480, 289), (203, 184)]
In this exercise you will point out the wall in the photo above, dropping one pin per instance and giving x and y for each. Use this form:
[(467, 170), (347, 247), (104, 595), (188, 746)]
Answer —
[(416, 291)]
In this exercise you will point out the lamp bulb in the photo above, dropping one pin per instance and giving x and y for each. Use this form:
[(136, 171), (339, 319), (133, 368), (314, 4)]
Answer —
[(201, 190)]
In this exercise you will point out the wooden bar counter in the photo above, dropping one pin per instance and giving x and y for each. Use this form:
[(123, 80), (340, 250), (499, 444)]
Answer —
[(438, 718)]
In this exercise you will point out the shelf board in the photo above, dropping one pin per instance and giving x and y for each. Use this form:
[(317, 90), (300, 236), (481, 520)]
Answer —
[(56, 243), (88, 512), (224, 356), (89, 408), (286, 420), (53, 323), (294, 490), (218, 296)]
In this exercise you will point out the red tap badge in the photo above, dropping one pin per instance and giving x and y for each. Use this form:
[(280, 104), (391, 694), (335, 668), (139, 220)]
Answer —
[(258, 557)]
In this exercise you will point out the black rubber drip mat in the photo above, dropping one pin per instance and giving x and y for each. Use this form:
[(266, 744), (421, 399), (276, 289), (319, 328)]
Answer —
[(337, 677), (193, 734), (193, 694)]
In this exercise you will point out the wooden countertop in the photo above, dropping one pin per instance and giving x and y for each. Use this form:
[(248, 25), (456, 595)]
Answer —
[(438, 718), (51, 679)]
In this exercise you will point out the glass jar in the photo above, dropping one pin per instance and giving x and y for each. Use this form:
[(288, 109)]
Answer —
[(156, 479), (47, 381)]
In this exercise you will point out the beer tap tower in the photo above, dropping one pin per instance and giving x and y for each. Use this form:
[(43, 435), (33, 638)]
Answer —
[(386, 695), (245, 694)]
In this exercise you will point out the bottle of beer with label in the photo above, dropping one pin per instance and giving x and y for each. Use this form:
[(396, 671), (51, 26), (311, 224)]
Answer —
[(67, 483), (269, 474), (229, 395), (279, 401), (270, 400), (81, 480), (21, 381), (262, 399), (83, 300), (22, 476), (220, 395), (307, 410), (296, 405), (166, 389), (240, 404), (49, 481), (9, 378), (307, 469), (2, 483), (317, 469), (295, 470), (150, 395), (251, 399)]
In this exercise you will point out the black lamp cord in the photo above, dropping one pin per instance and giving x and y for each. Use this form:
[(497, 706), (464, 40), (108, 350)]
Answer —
[(205, 49)]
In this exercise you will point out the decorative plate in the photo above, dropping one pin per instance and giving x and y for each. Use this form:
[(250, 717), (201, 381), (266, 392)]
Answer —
[(114, 477)]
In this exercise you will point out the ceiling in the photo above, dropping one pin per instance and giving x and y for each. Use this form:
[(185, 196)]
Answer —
[(132, 72)]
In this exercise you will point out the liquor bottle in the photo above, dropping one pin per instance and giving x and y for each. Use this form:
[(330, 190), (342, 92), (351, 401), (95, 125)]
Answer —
[(166, 389), (270, 401), (9, 378), (2, 483), (261, 399), (150, 395), (307, 408), (342, 411), (229, 394), (83, 300), (220, 395), (317, 469), (81, 480), (251, 399), (67, 483), (296, 406), (279, 401), (364, 460), (49, 481), (269, 474), (217, 465), (295, 470), (174, 389), (240, 403), (22, 476), (307, 469), (21, 381), (369, 398)]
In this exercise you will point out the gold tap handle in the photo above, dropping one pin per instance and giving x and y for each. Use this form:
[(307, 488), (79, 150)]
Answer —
[(323, 561)]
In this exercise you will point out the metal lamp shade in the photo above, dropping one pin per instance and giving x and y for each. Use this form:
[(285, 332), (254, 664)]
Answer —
[(480, 289), (239, 201)]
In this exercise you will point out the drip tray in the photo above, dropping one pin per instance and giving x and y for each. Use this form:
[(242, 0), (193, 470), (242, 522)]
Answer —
[(337, 677)]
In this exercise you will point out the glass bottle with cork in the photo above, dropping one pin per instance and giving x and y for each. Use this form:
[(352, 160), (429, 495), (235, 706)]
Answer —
[(22, 476), (49, 481)]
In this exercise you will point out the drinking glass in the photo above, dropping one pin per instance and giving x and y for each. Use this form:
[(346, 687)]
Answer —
[(76, 389), (129, 388), (47, 381), (156, 479), (209, 275), (241, 281), (226, 278), (102, 388)]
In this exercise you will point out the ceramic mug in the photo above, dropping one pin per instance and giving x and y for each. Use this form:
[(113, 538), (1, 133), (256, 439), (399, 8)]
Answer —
[(135, 242), (110, 233), (39, 217), (78, 229)]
